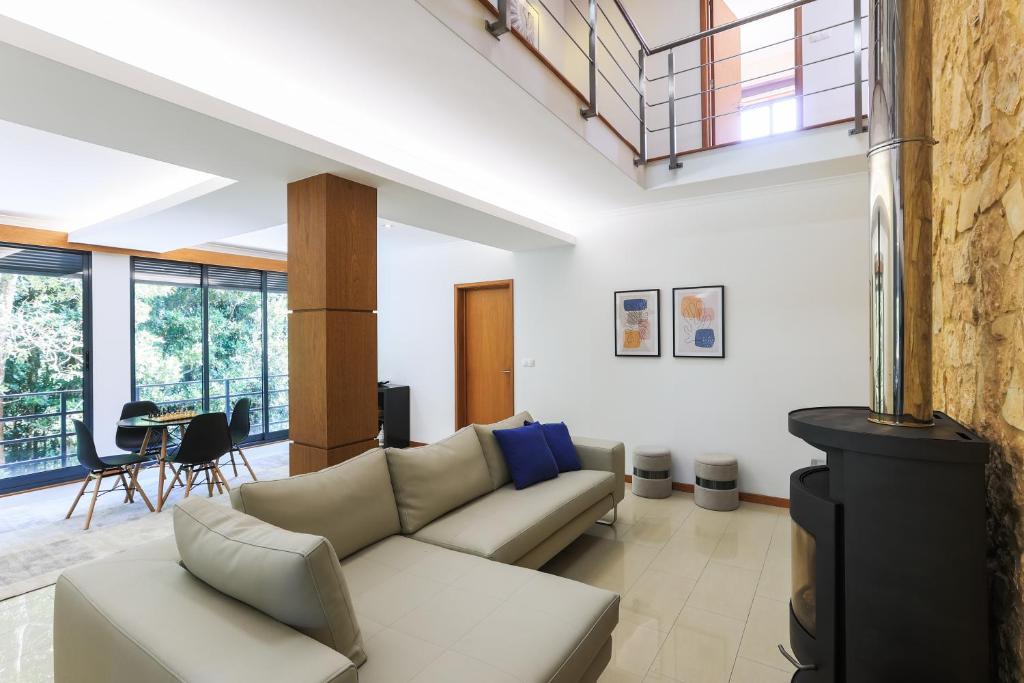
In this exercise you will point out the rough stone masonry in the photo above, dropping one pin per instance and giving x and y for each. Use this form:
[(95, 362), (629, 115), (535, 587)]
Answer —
[(978, 279)]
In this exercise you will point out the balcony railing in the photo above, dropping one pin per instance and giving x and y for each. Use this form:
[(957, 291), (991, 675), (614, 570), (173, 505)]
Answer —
[(47, 437), (42, 416), (663, 100), (189, 395)]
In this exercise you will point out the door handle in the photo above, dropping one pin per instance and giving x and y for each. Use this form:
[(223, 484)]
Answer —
[(507, 372)]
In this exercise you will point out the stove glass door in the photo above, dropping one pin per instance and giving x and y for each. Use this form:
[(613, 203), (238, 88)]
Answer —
[(804, 579)]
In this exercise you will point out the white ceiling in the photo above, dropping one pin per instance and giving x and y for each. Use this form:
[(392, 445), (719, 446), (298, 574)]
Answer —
[(265, 93), (60, 183)]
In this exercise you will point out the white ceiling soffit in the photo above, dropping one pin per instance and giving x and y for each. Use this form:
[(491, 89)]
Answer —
[(382, 80), (56, 182), (66, 101), (274, 240)]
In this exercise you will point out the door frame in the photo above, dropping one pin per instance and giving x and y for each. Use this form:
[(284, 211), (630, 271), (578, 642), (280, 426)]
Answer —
[(461, 290)]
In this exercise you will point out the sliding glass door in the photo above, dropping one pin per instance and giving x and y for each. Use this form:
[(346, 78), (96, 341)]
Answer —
[(235, 309), (44, 363), (208, 336)]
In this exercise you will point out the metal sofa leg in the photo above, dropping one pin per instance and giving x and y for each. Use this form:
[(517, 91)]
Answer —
[(615, 517)]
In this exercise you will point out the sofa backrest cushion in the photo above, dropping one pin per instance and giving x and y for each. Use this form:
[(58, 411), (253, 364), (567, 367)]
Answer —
[(350, 504), (291, 577), (492, 451), (432, 480)]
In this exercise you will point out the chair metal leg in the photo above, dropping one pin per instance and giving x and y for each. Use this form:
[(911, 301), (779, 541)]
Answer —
[(85, 482), (615, 517), (247, 465), (92, 504)]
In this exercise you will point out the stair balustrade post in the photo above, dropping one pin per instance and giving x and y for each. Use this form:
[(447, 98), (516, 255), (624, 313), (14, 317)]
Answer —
[(673, 157), (590, 111), (499, 26), (642, 160), (858, 71)]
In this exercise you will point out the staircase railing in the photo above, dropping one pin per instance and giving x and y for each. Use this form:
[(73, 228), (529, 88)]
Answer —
[(663, 99)]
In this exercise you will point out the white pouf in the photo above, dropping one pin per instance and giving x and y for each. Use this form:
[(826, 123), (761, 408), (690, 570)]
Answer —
[(716, 488), (652, 472)]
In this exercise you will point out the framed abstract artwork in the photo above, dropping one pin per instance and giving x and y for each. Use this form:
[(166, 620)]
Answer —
[(525, 19), (638, 322), (698, 322)]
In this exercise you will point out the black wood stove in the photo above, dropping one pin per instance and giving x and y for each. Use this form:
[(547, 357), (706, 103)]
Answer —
[(889, 578)]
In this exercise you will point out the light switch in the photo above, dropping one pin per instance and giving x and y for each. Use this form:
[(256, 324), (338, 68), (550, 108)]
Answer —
[(529, 362)]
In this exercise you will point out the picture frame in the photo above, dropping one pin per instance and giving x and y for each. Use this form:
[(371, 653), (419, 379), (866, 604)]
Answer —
[(525, 20), (637, 323), (698, 322)]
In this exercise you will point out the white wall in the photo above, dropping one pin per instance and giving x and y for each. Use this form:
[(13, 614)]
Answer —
[(793, 260), (416, 318), (111, 345)]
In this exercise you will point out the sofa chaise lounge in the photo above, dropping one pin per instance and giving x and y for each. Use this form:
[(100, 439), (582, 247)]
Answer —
[(439, 553)]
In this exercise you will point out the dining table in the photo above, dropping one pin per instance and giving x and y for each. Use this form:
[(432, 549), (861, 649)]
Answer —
[(162, 425)]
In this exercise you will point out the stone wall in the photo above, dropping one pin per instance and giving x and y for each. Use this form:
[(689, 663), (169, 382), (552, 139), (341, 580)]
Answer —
[(978, 207)]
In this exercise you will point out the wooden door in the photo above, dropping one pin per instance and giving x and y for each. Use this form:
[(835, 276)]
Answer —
[(484, 372), (726, 96)]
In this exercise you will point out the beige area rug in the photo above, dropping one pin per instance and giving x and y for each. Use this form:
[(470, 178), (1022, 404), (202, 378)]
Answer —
[(37, 543)]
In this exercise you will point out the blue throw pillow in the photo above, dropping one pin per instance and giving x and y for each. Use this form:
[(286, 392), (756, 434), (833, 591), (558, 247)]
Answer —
[(561, 445), (527, 454)]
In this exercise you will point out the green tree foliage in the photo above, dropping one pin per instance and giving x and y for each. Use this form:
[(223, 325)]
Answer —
[(169, 348), (41, 350)]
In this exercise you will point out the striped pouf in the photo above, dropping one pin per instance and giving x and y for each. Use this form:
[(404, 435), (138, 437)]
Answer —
[(716, 482), (652, 472)]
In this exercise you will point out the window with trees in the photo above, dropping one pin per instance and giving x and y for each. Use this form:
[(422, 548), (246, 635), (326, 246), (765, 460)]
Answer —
[(207, 336), (44, 303)]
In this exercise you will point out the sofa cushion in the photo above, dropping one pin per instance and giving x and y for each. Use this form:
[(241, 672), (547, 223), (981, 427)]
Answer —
[(294, 578), (140, 616), (561, 445), (507, 524), (431, 480), (492, 451), (527, 455), (325, 503), (441, 615)]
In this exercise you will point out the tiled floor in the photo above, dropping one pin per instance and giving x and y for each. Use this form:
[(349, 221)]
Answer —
[(703, 596)]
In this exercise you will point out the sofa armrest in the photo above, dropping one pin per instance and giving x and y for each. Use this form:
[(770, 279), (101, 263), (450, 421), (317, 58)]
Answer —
[(602, 454)]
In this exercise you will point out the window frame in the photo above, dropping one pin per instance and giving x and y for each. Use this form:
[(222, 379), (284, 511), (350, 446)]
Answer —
[(62, 475), (204, 285), (708, 113)]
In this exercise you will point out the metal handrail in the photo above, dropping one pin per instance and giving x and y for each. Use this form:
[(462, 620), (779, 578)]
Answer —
[(644, 51), (754, 78), (737, 111), (756, 49)]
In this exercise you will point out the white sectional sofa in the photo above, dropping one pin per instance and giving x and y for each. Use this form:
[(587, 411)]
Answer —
[(439, 553)]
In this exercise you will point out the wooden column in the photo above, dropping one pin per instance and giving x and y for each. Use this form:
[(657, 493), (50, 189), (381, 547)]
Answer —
[(332, 327)]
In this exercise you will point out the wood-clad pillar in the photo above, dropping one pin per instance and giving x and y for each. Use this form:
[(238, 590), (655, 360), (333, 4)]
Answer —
[(332, 327)]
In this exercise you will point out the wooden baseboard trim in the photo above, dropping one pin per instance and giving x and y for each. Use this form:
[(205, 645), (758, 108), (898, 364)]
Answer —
[(758, 498)]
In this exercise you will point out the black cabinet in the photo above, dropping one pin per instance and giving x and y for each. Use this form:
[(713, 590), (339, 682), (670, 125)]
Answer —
[(393, 414)]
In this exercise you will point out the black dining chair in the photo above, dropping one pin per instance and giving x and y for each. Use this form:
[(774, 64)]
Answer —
[(239, 428), (206, 440), (124, 466), (132, 439)]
